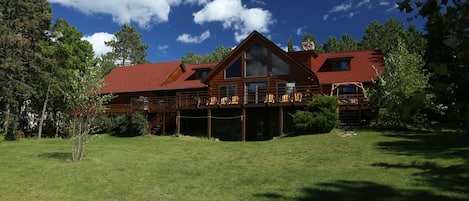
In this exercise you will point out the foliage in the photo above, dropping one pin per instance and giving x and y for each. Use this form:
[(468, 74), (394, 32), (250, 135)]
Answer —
[(400, 94), (320, 116), (385, 37), (130, 125), (103, 124), (216, 56), (23, 24), (85, 103), (290, 44), (68, 52), (346, 43), (127, 47), (447, 53)]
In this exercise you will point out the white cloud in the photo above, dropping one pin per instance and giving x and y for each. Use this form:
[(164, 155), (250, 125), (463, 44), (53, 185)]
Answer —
[(97, 41), (232, 14), (361, 3), (300, 31), (188, 38), (259, 2), (163, 47), (145, 13), (384, 3), (341, 7), (393, 8), (325, 17)]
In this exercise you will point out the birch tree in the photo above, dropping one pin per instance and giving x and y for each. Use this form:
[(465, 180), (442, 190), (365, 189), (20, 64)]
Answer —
[(84, 103)]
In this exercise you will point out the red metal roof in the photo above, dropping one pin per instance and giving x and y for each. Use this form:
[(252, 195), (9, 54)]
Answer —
[(182, 81), (142, 77), (361, 69), (151, 77)]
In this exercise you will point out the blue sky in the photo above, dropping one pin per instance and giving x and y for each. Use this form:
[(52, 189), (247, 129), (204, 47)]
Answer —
[(171, 28)]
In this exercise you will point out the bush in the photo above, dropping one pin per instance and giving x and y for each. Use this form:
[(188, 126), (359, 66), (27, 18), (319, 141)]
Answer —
[(130, 126), (103, 124), (320, 116)]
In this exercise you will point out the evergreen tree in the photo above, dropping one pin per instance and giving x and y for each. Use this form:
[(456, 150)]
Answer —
[(127, 47), (384, 37), (69, 53), (331, 44), (23, 25), (447, 53), (346, 43), (290, 44), (216, 56)]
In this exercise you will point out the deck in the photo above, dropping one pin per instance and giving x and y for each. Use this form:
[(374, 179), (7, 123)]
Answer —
[(203, 100)]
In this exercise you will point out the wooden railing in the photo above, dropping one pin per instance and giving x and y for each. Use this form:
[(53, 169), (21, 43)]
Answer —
[(353, 102), (298, 95), (285, 95), (144, 104)]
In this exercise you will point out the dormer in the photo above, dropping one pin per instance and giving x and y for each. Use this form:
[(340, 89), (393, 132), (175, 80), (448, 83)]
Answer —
[(337, 64)]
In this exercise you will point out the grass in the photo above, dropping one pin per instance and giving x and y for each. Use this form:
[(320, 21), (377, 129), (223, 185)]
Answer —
[(367, 166)]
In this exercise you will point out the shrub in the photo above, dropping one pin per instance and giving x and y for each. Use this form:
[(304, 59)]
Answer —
[(103, 124), (130, 126), (320, 116)]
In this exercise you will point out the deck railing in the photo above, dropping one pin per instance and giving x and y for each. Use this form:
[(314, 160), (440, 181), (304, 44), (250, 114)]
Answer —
[(298, 95)]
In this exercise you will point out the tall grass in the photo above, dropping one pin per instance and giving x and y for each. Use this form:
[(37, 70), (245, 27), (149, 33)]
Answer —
[(365, 165)]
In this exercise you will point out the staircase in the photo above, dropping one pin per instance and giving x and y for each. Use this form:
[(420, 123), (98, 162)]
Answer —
[(350, 118), (158, 122)]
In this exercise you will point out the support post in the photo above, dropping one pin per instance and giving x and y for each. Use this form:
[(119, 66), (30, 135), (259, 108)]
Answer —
[(243, 127), (209, 123), (178, 122), (281, 121), (164, 122)]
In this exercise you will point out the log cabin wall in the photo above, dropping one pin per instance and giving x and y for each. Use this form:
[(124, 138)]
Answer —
[(297, 73)]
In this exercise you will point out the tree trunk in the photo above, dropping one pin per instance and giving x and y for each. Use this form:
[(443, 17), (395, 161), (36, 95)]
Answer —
[(41, 121), (6, 121)]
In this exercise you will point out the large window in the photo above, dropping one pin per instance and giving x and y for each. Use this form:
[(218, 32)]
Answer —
[(227, 91), (279, 66), (234, 70), (256, 60)]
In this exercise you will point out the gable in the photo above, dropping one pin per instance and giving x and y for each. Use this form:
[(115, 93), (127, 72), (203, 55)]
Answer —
[(257, 57)]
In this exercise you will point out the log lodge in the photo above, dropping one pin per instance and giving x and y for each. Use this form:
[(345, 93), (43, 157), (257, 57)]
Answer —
[(249, 95)]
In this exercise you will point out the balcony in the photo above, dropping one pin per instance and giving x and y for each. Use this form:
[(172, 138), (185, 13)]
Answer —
[(299, 95)]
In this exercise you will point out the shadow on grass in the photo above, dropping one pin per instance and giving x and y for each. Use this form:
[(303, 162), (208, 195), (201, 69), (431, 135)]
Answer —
[(56, 155), (358, 191), (443, 145), (437, 148)]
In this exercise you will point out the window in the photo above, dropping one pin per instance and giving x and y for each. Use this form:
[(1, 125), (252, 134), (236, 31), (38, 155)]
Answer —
[(279, 66), (348, 90), (255, 92), (286, 88), (342, 65), (256, 61), (234, 70), (227, 91), (198, 75)]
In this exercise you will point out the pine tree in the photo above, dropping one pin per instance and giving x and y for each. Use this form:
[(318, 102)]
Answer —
[(127, 47), (23, 25)]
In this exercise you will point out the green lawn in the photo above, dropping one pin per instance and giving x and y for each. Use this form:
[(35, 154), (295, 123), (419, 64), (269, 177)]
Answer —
[(366, 166)]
